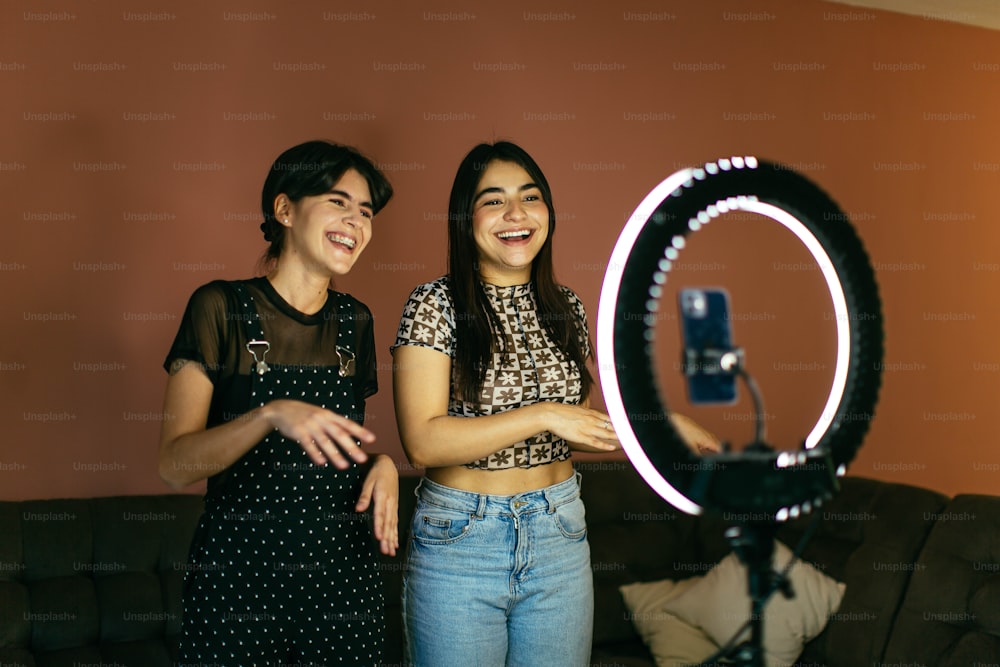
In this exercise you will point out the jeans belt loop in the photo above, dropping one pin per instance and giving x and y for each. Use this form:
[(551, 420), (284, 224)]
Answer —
[(551, 509), (481, 507)]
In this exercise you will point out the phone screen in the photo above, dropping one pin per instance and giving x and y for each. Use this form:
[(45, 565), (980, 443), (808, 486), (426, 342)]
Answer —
[(706, 326)]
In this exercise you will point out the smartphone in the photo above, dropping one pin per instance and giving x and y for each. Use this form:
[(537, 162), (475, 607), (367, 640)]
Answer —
[(707, 334)]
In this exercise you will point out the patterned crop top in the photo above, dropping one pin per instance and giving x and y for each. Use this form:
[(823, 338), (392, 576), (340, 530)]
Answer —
[(532, 370)]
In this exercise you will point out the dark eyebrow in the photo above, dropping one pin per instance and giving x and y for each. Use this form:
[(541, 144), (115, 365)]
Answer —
[(348, 197), (526, 186)]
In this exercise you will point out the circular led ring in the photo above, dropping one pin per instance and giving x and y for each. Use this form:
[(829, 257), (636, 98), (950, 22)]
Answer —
[(647, 248)]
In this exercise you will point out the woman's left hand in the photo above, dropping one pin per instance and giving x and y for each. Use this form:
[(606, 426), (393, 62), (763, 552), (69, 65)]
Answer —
[(381, 491), (698, 439)]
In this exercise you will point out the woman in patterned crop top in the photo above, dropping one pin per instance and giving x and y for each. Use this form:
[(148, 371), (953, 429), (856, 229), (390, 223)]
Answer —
[(491, 391)]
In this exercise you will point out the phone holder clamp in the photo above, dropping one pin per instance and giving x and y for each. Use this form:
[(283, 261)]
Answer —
[(712, 361)]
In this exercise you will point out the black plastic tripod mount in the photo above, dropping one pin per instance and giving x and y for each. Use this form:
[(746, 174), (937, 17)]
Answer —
[(753, 543)]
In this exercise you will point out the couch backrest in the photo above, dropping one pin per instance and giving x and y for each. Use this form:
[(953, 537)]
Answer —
[(392, 574), (94, 581), (869, 536), (951, 612), (634, 535)]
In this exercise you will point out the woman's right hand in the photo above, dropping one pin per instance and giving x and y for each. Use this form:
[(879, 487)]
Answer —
[(323, 434), (584, 429)]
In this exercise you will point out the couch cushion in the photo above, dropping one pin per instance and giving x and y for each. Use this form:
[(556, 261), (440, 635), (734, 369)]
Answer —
[(951, 613), (85, 581)]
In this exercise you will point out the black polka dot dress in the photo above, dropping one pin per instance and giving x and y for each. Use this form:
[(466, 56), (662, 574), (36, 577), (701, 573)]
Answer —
[(283, 570)]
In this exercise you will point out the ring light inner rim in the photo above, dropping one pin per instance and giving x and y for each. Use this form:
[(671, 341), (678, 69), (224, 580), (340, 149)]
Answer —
[(605, 326)]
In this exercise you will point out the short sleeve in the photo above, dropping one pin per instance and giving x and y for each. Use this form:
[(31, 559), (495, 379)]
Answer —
[(428, 319), (582, 330), (200, 335), (367, 366)]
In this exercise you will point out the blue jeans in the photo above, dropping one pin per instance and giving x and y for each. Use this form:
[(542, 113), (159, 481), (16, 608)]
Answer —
[(495, 581)]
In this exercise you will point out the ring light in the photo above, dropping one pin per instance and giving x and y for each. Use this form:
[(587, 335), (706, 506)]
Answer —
[(773, 485)]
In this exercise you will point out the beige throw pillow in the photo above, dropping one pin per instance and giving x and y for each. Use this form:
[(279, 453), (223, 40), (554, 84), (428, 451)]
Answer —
[(684, 622), (672, 642), (719, 604)]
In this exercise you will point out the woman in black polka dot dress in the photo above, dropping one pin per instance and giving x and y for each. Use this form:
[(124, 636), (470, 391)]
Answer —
[(266, 399)]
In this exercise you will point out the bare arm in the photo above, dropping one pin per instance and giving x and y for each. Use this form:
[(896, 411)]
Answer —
[(421, 382), (189, 452), (696, 437), (380, 492)]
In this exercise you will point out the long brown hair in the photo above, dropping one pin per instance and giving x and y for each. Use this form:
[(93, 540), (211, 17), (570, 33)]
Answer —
[(477, 327)]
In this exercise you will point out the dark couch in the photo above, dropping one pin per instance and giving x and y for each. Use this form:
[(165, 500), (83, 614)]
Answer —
[(920, 568), (97, 581), (93, 581)]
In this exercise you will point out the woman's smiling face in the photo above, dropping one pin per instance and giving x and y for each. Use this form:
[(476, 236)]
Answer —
[(328, 232), (510, 223)]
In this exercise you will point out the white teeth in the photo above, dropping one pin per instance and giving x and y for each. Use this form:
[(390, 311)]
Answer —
[(346, 240), (509, 235)]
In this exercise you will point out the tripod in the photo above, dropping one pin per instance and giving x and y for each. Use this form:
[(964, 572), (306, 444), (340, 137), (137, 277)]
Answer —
[(753, 543), (752, 540)]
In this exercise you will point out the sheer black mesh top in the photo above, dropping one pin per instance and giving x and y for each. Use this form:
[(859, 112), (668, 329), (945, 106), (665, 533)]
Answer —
[(213, 334)]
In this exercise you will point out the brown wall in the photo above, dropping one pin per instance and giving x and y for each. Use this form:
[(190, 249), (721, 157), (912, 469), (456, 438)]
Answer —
[(134, 142)]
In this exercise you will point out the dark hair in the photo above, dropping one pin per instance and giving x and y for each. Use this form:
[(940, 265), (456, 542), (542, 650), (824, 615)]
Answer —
[(477, 327), (311, 169)]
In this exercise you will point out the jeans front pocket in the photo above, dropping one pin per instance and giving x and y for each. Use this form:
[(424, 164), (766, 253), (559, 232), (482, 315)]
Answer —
[(571, 519), (438, 525)]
